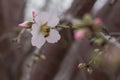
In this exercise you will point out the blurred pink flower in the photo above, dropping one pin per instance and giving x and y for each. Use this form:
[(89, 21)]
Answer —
[(97, 24), (44, 29), (98, 21), (79, 35)]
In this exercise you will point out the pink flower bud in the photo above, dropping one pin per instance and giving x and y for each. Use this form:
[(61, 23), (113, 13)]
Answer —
[(97, 24), (98, 21), (79, 35), (26, 24), (22, 25)]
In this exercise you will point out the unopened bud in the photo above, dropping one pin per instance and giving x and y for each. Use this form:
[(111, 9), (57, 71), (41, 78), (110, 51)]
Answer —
[(96, 50), (98, 21), (26, 24), (82, 34), (97, 24), (82, 66), (43, 57), (36, 58), (89, 70), (79, 35), (99, 42), (87, 19)]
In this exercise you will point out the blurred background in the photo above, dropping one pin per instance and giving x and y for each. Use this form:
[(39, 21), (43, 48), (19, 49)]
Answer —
[(64, 56)]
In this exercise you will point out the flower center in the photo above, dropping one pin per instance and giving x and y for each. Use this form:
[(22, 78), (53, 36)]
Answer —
[(45, 29)]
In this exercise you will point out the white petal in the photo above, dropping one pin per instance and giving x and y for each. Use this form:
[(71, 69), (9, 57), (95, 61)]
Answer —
[(53, 20), (50, 18), (38, 40), (35, 30), (42, 18), (53, 37)]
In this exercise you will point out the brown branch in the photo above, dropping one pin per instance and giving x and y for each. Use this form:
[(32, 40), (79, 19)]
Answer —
[(80, 7), (28, 65)]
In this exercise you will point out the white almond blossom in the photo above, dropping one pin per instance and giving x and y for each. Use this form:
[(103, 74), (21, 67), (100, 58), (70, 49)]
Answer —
[(44, 29)]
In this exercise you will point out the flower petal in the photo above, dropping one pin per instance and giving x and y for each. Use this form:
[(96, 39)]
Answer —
[(53, 37), (53, 20), (38, 40), (42, 18), (35, 30), (50, 18)]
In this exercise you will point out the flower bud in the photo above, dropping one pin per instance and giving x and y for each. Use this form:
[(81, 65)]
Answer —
[(97, 24), (79, 35), (99, 42), (98, 21), (82, 66), (87, 19), (79, 24), (26, 24), (36, 58), (43, 57), (89, 70)]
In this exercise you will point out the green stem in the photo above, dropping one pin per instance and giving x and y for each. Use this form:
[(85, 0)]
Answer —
[(63, 26)]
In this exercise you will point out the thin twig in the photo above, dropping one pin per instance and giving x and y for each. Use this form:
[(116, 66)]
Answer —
[(18, 38), (115, 34), (111, 40)]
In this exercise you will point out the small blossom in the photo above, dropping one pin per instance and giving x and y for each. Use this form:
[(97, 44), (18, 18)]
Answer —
[(44, 29)]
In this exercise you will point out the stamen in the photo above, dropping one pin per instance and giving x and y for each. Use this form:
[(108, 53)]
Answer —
[(45, 29)]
